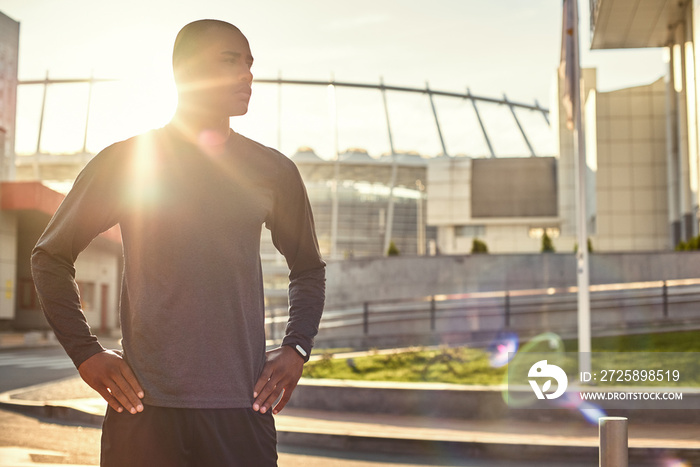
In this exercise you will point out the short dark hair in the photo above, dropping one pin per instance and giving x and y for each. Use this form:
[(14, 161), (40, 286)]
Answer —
[(188, 40)]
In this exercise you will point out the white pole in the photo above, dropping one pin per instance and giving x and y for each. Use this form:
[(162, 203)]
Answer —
[(582, 274), (582, 263)]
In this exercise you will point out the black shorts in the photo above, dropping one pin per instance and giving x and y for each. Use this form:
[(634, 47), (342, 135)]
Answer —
[(174, 437)]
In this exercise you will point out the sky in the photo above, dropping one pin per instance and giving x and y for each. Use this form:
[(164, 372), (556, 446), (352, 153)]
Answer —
[(493, 48)]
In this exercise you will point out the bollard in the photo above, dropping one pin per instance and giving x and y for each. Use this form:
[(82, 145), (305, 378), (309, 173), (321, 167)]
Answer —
[(613, 441)]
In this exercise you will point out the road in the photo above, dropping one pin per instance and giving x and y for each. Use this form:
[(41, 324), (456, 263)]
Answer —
[(20, 368), (26, 441)]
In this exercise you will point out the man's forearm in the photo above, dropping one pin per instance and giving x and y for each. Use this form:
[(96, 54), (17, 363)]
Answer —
[(307, 293), (54, 280)]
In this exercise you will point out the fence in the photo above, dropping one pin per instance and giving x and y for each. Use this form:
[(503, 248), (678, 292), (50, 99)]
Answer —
[(476, 317)]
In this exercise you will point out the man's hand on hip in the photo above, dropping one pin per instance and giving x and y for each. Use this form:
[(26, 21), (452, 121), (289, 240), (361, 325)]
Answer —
[(108, 374), (280, 375)]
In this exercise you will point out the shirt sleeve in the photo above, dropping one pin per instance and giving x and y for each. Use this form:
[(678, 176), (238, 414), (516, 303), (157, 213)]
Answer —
[(294, 235), (90, 208)]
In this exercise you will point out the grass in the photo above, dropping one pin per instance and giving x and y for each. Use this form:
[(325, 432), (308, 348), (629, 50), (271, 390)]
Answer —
[(465, 365), (682, 341), (448, 365)]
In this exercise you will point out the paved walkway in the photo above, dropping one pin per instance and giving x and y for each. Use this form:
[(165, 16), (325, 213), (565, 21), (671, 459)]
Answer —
[(73, 400)]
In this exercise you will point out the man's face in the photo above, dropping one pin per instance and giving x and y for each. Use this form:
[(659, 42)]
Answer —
[(217, 80)]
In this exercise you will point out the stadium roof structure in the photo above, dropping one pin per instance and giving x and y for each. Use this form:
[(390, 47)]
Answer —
[(358, 165)]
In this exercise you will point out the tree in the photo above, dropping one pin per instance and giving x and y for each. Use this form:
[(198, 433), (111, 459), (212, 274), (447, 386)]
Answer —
[(547, 245)]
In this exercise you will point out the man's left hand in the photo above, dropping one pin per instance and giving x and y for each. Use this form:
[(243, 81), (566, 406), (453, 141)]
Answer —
[(280, 375)]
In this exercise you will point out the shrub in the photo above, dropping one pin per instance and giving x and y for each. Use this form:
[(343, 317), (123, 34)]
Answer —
[(691, 245), (479, 247), (590, 246), (392, 250), (547, 245)]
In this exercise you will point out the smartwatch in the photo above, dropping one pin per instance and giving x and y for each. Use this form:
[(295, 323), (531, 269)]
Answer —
[(301, 351)]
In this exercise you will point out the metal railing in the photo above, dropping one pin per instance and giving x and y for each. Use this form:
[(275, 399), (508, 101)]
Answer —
[(613, 306)]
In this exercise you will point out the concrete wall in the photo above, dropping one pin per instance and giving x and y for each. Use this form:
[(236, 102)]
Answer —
[(8, 264), (368, 279), (457, 402), (384, 302)]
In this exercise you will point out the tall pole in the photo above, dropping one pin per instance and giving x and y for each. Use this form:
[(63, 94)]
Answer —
[(520, 127), (87, 112), (672, 163), (437, 122), (336, 171), (481, 123), (388, 227), (420, 250), (41, 117), (279, 111), (544, 112), (582, 274)]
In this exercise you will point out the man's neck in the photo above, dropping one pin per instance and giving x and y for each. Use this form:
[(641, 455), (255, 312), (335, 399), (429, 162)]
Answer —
[(194, 126)]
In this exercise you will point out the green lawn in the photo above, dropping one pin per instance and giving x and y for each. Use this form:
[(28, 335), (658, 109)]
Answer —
[(450, 365), (685, 341), (464, 365)]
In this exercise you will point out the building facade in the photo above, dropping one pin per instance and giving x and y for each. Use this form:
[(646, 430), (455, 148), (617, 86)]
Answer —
[(619, 24), (355, 194), (642, 153), (25, 209)]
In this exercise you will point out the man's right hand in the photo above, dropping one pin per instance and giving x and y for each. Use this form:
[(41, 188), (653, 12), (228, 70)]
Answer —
[(108, 374)]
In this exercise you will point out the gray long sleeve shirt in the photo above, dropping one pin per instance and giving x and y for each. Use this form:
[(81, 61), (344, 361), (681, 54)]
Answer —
[(192, 305)]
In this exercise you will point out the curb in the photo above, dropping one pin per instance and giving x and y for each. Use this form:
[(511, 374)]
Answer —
[(45, 410), (478, 450), (345, 440), (452, 449), (51, 412), (393, 445), (471, 402)]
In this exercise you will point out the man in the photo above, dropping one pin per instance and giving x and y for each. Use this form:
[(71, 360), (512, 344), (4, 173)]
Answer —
[(194, 385)]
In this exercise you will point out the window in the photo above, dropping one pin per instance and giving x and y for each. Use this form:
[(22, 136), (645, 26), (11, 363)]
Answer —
[(470, 230)]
